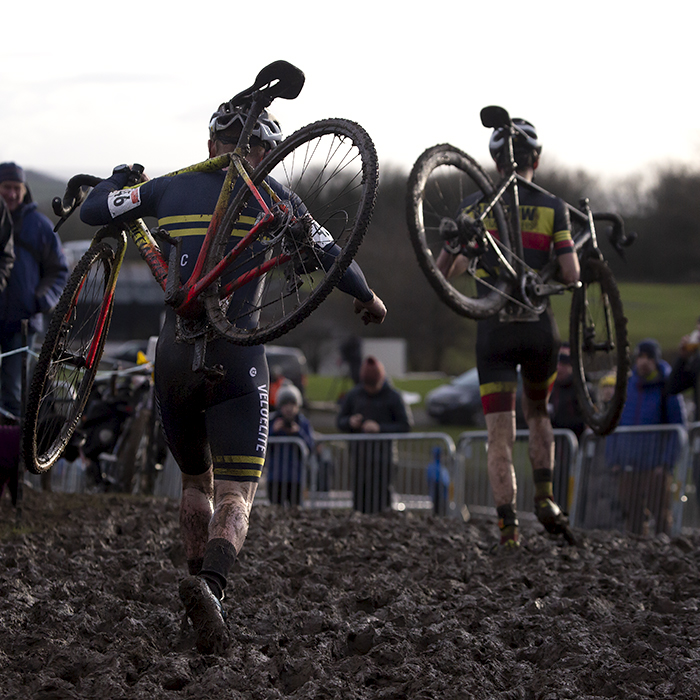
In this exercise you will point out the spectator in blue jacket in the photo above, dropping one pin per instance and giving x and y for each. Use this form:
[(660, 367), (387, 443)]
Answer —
[(285, 468), (645, 461), (37, 279)]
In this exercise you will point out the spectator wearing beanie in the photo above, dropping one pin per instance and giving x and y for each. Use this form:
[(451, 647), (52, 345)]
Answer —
[(285, 465), (645, 461), (373, 406)]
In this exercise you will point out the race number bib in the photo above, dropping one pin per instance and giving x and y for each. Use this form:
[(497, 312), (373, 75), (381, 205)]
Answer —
[(121, 201), (320, 235)]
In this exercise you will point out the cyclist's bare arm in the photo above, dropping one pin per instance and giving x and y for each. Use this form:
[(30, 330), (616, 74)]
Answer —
[(451, 265), (569, 268)]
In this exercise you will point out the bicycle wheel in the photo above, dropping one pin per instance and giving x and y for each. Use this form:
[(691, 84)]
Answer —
[(68, 361), (331, 166), (599, 347), (444, 182)]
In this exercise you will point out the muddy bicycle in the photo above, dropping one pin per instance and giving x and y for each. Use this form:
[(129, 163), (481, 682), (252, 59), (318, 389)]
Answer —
[(453, 203), (315, 193)]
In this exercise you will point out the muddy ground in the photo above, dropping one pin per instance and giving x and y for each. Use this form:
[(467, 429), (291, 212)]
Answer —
[(338, 605)]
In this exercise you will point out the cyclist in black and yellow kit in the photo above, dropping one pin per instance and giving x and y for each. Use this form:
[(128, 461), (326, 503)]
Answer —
[(216, 430), (532, 341)]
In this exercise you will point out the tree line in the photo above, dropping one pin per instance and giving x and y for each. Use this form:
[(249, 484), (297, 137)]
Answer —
[(664, 211)]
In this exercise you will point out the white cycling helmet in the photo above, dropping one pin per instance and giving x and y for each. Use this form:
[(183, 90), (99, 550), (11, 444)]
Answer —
[(267, 129), (526, 145)]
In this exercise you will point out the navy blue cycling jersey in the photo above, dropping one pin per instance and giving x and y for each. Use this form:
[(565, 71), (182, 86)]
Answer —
[(222, 423), (184, 204)]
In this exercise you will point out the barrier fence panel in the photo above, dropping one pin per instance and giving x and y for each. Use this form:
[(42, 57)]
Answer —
[(691, 494), (633, 480), (404, 471), (472, 448), (285, 478)]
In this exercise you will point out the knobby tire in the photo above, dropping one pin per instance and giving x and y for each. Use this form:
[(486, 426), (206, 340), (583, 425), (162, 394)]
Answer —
[(332, 165), (442, 177), (597, 319), (59, 390)]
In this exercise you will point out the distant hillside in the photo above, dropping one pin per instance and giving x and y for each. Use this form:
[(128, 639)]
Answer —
[(44, 188)]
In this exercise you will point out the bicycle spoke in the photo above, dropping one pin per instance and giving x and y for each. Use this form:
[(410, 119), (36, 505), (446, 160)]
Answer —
[(325, 177), (448, 195)]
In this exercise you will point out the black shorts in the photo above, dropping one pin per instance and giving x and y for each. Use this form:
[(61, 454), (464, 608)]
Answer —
[(224, 422), (501, 347)]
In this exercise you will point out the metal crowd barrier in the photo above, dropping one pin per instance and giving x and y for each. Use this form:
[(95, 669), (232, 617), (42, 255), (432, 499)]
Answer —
[(404, 465), (691, 495), (472, 471), (634, 480), (425, 472), (404, 471)]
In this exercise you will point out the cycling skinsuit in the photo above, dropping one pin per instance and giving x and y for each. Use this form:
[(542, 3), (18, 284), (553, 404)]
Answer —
[(223, 421), (502, 346)]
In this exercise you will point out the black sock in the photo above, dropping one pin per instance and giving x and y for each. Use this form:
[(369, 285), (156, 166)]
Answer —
[(219, 557), (194, 566)]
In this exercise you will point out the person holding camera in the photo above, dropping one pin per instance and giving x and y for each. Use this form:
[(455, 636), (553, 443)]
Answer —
[(285, 475)]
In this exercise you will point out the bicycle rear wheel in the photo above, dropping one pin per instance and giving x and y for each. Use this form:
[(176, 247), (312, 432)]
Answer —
[(331, 166), (444, 182), (599, 347), (68, 361)]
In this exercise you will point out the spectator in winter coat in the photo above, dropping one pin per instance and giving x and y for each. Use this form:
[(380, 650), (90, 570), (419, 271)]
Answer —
[(373, 406), (7, 248), (284, 464), (644, 460), (563, 407), (37, 279)]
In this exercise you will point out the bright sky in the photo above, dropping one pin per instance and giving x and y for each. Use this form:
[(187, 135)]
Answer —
[(609, 84)]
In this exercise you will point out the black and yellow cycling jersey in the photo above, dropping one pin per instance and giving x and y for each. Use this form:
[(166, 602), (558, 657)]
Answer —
[(544, 221), (503, 346)]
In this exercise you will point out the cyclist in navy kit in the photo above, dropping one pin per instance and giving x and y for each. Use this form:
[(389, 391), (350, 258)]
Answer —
[(532, 341), (216, 430)]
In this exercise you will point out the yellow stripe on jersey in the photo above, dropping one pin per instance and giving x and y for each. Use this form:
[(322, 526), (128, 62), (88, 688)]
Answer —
[(204, 220), (537, 219), (564, 235), (186, 219)]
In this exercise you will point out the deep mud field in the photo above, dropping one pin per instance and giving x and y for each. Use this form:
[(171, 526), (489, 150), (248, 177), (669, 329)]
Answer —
[(338, 605)]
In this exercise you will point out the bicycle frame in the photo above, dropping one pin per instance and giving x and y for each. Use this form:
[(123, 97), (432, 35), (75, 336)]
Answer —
[(585, 238), (185, 299)]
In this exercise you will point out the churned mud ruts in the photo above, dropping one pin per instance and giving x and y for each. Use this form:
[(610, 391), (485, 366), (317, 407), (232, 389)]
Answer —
[(339, 605)]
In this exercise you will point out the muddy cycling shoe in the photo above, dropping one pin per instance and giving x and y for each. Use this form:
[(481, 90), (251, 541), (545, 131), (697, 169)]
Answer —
[(206, 613), (506, 548), (554, 521)]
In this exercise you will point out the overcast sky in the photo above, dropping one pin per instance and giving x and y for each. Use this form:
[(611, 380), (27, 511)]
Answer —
[(611, 86)]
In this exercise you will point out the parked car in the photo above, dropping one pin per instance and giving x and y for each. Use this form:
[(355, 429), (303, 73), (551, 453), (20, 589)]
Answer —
[(291, 362), (459, 402)]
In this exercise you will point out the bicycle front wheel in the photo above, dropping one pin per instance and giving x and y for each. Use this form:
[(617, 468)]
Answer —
[(443, 183), (599, 347), (321, 183), (68, 361)]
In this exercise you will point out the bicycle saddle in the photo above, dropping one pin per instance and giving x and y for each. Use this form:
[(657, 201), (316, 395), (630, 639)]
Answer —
[(279, 79), (494, 117)]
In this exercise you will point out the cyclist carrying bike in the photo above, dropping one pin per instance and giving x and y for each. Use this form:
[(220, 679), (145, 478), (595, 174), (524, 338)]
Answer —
[(515, 338), (216, 428)]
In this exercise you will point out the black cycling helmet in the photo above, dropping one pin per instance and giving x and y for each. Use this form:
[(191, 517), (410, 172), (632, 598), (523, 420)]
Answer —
[(526, 145), (267, 129)]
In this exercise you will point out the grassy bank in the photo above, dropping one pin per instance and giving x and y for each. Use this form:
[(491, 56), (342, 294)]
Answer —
[(662, 311)]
